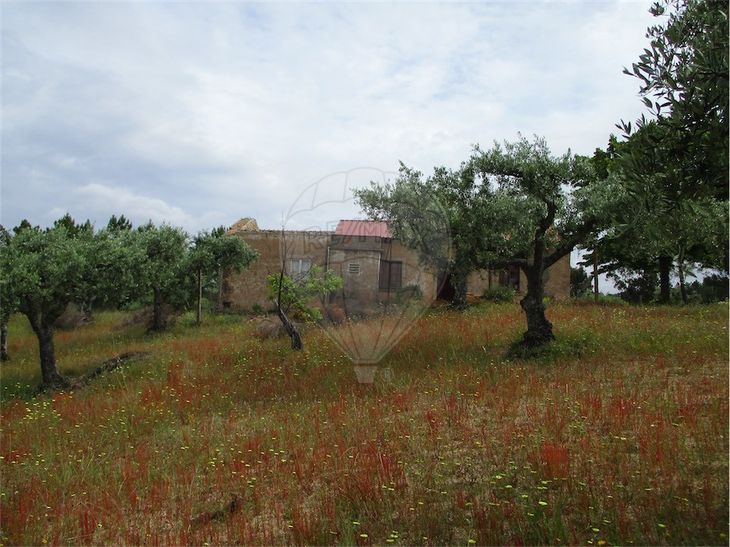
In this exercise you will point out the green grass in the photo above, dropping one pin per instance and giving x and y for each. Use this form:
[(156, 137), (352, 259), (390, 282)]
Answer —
[(616, 434)]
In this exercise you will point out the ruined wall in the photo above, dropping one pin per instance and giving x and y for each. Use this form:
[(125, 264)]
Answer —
[(357, 260), (241, 291), (557, 284), (414, 273), (359, 269)]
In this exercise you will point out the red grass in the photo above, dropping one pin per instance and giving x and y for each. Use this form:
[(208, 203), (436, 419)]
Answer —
[(461, 446), (555, 460)]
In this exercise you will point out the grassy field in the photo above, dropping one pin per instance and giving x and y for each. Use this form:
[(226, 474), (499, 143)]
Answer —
[(617, 435)]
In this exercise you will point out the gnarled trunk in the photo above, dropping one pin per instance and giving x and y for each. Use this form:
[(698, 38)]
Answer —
[(539, 329), (458, 282), (289, 327), (158, 319), (4, 356), (199, 310), (219, 301), (50, 377), (291, 330)]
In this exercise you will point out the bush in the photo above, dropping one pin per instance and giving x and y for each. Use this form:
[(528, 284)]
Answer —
[(144, 316), (269, 328), (603, 300), (408, 293), (297, 296), (567, 346), (498, 294), (71, 318), (333, 313)]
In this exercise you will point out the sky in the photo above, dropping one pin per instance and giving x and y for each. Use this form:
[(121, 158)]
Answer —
[(198, 114)]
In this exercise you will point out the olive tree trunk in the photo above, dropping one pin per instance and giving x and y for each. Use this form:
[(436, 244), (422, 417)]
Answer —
[(289, 327), (158, 319), (595, 275), (219, 301), (4, 356), (458, 282), (291, 330), (50, 377), (199, 310), (539, 329)]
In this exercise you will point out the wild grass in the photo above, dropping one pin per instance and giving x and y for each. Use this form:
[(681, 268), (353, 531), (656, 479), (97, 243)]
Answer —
[(616, 435)]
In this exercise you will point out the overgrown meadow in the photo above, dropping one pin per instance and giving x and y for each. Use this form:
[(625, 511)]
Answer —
[(617, 435)]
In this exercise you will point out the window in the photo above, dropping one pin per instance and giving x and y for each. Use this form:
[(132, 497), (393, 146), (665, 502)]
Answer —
[(353, 268), (299, 267), (391, 275)]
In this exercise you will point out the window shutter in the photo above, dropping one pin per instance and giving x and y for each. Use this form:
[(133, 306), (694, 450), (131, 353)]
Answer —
[(391, 275), (396, 275), (384, 276)]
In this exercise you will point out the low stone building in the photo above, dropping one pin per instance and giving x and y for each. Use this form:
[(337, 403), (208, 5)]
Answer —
[(374, 266)]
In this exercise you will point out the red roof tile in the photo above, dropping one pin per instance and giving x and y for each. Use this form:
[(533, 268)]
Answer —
[(371, 228)]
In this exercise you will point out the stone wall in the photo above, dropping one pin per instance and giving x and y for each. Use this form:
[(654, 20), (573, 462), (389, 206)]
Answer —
[(246, 290), (557, 284), (414, 273), (242, 291), (557, 280)]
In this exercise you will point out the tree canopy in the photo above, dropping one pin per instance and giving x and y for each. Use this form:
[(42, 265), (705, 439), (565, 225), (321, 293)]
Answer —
[(42, 271), (514, 203), (684, 83)]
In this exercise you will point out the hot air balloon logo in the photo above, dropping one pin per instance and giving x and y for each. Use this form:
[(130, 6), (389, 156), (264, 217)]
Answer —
[(389, 268)]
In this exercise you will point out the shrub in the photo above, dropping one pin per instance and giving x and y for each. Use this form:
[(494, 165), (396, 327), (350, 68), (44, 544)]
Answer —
[(145, 316), (297, 296), (498, 294), (268, 328), (334, 314), (71, 318), (610, 300), (408, 293)]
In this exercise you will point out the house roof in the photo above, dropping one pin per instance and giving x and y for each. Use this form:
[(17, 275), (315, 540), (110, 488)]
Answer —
[(370, 228)]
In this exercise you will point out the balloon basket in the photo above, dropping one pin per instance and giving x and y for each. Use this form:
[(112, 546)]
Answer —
[(365, 373)]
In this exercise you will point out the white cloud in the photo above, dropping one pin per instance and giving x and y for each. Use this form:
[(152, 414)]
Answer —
[(106, 200), (228, 110)]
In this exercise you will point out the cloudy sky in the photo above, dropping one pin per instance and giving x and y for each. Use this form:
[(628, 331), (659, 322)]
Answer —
[(201, 113)]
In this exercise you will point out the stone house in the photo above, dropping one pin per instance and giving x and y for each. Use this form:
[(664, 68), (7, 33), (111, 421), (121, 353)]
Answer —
[(375, 267)]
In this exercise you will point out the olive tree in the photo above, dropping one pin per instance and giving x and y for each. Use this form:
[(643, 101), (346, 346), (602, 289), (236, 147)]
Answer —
[(43, 268), (162, 267), (448, 217), (213, 253), (297, 295), (562, 202), (513, 204), (683, 78), (8, 300)]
